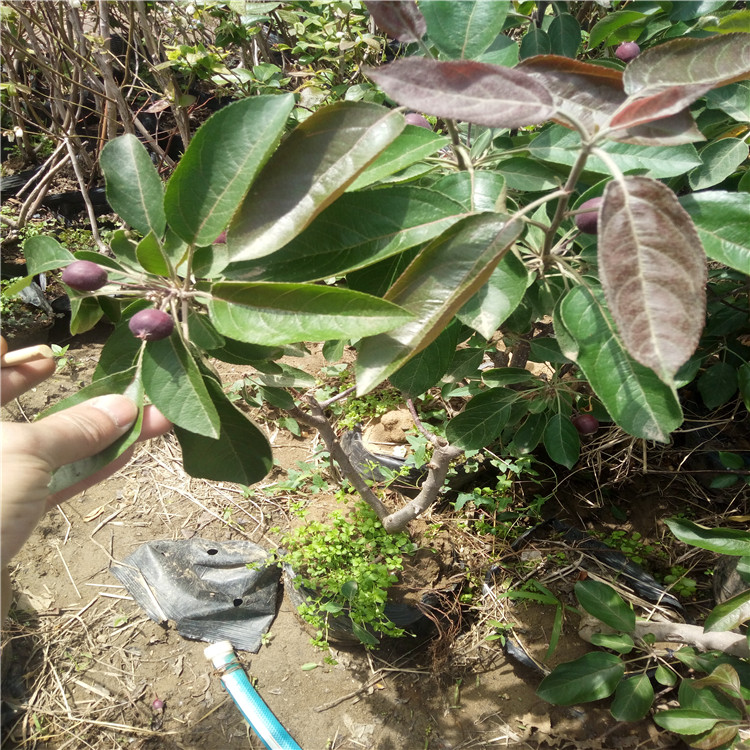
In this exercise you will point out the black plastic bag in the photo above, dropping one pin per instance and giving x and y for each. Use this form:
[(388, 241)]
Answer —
[(213, 591)]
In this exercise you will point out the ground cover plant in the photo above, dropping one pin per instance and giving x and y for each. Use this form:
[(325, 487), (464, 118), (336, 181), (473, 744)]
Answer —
[(584, 207)]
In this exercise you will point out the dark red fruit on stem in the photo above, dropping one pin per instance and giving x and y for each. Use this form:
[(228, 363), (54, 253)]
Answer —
[(586, 424), (84, 276), (586, 221), (627, 51), (414, 119), (151, 325)]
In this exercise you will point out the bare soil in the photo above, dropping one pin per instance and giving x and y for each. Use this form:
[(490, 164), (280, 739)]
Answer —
[(82, 662)]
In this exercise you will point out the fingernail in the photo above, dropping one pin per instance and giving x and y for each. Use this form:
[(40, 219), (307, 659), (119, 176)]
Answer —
[(122, 411)]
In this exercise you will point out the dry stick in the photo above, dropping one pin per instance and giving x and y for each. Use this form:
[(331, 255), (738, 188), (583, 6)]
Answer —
[(85, 195), (353, 694)]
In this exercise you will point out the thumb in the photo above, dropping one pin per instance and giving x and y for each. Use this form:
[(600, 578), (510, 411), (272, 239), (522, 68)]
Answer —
[(83, 430)]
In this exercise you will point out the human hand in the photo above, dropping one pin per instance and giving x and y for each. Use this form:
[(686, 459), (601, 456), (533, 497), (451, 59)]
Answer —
[(31, 452)]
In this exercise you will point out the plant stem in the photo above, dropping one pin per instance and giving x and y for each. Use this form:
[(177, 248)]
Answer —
[(567, 191), (318, 421)]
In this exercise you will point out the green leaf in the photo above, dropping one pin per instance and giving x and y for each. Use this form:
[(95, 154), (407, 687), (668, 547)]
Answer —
[(388, 221), (534, 42), (202, 333), (364, 636), (134, 188), (721, 220), (604, 603), (729, 614), (632, 394), (685, 720), (710, 694), (633, 698), (151, 257), (124, 249), (465, 29), (271, 314), (726, 682), (210, 261), (564, 35), (720, 160), (733, 100), (100, 258), (425, 369), (240, 353), (546, 350), (173, 382), (529, 434), (653, 273), (620, 642), (499, 376), (610, 24), (312, 168), (590, 678), (737, 21), (411, 146), (240, 454), (127, 383), (85, 313), (743, 380), (433, 288), (482, 420), (44, 253), (665, 676), (488, 309), (221, 162), (561, 146), (724, 541), (562, 441), (121, 348), (523, 173), (15, 288), (286, 377), (717, 384)]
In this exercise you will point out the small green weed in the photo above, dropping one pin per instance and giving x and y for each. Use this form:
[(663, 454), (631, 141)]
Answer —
[(349, 563), (681, 584)]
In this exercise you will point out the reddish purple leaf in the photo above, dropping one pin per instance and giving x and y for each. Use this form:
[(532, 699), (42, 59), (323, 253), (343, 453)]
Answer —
[(587, 93), (590, 95), (653, 271), (466, 90), (399, 18), (714, 61), (670, 101)]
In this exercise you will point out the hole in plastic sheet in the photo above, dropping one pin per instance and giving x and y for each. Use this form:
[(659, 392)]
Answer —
[(212, 551), (237, 602)]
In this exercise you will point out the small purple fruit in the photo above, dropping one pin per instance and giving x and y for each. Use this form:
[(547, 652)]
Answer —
[(414, 119), (586, 424), (84, 276), (158, 705), (627, 51), (221, 239), (586, 221), (151, 325)]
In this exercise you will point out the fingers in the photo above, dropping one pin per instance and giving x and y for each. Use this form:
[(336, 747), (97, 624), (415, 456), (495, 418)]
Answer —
[(83, 430), (23, 369), (154, 423)]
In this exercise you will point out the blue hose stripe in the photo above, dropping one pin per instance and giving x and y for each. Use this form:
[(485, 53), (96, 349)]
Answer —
[(257, 713)]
